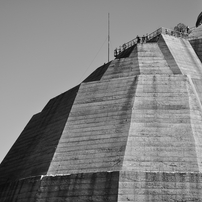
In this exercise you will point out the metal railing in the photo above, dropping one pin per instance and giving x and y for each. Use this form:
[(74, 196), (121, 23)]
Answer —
[(149, 37)]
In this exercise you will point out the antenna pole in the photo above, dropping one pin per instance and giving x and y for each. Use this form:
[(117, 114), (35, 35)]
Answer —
[(108, 36)]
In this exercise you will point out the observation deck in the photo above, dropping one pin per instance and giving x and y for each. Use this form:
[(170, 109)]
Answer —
[(153, 37)]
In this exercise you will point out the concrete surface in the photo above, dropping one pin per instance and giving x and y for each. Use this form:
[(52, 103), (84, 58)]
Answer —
[(132, 131)]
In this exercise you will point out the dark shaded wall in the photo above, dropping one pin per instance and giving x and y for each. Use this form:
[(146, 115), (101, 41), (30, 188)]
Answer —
[(197, 46), (98, 73), (100, 187), (32, 153)]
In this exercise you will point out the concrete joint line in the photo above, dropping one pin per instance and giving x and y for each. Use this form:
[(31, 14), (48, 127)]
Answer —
[(198, 151), (196, 94)]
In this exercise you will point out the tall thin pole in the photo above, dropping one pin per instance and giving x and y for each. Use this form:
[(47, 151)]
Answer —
[(108, 36)]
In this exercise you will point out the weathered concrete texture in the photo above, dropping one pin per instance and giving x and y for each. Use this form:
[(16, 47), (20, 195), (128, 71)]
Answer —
[(151, 60), (79, 187), (168, 56), (106, 187), (197, 46), (23, 190), (96, 133), (184, 56), (198, 87), (132, 131), (144, 59), (159, 186), (162, 135), (124, 67)]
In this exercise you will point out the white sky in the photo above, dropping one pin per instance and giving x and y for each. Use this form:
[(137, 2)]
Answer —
[(49, 46)]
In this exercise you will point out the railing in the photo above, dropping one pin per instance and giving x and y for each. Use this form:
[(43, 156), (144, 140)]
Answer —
[(149, 37)]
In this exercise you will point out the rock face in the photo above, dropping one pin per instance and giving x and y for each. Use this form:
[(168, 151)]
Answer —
[(132, 131)]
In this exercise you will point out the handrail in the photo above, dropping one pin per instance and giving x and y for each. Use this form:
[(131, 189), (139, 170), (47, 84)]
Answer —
[(148, 37)]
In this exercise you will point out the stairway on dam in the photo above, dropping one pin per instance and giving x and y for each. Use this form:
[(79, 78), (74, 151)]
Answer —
[(130, 132)]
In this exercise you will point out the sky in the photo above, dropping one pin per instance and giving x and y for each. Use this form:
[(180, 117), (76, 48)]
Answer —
[(49, 46)]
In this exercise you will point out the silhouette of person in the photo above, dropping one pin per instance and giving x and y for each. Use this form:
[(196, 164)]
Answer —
[(115, 52), (187, 29), (138, 39)]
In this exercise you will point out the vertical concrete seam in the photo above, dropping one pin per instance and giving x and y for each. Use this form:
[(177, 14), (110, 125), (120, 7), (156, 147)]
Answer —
[(165, 54), (193, 130), (135, 83), (194, 57), (55, 149), (137, 58), (195, 43), (195, 92), (121, 170)]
